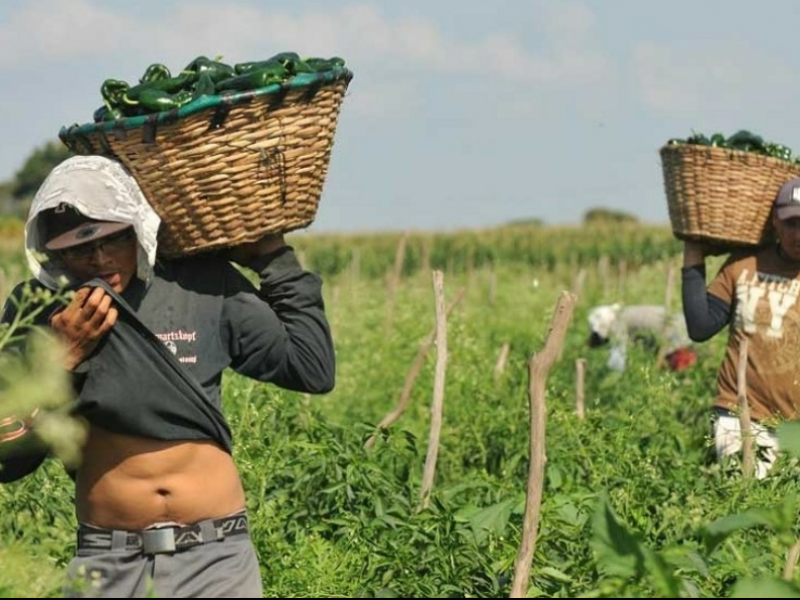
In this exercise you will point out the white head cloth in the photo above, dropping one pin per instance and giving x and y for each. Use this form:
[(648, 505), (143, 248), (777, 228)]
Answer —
[(100, 188)]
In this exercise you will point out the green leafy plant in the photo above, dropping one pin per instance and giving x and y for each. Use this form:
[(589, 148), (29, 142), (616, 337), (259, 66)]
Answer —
[(743, 140)]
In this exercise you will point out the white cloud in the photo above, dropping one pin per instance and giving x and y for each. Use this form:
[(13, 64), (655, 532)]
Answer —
[(58, 30), (397, 97), (53, 30), (391, 57), (668, 83), (708, 79), (569, 23)]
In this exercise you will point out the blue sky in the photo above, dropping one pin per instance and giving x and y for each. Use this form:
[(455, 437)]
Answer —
[(460, 114)]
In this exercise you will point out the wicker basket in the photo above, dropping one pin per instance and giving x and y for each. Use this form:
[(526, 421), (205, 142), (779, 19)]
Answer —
[(228, 169), (722, 196)]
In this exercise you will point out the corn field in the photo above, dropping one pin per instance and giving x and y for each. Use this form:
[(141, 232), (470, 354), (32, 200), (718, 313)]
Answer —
[(474, 445)]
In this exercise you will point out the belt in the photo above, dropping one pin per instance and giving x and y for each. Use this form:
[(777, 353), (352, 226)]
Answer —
[(161, 540)]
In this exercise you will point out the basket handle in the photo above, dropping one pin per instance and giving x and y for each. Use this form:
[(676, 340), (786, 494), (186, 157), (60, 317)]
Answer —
[(219, 116)]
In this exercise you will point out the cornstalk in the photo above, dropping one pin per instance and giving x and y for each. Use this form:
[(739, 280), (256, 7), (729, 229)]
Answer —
[(394, 279)]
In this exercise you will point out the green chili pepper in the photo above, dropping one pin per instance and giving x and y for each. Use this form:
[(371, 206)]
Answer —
[(291, 61), (744, 140), (103, 113), (698, 139), (718, 140), (204, 86), (284, 57), (112, 91), (215, 69), (153, 100), (275, 73), (256, 65), (325, 64), (170, 86), (286, 60), (155, 72), (113, 115), (778, 151), (301, 66), (183, 97)]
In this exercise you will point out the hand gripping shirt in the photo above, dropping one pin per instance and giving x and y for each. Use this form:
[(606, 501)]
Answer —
[(181, 323), (158, 371)]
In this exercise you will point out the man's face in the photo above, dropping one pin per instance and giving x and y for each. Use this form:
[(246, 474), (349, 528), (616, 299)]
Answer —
[(112, 258), (788, 231)]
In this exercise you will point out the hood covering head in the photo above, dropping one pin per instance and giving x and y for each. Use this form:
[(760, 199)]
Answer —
[(602, 318), (101, 189)]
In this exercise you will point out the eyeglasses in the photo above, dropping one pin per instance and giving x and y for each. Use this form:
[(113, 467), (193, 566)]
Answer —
[(792, 223), (114, 243)]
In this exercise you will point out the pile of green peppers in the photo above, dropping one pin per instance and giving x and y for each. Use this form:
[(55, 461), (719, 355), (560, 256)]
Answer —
[(159, 90), (741, 140)]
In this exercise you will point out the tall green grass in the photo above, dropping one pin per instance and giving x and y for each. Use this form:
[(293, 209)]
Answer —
[(629, 489)]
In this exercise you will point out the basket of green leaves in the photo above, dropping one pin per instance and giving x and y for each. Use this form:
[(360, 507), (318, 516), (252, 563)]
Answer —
[(225, 153), (720, 189)]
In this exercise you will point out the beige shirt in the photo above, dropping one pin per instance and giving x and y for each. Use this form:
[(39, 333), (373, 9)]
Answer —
[(763, 290)]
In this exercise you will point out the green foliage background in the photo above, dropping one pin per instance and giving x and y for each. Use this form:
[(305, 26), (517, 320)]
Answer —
[(632, 499), (36, 167)]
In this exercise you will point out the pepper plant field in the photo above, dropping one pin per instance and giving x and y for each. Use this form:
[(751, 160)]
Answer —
[(632, 504)]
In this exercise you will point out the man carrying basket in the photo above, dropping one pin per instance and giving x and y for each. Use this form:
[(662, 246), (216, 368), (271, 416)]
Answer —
[(159, 501), (755, 295)]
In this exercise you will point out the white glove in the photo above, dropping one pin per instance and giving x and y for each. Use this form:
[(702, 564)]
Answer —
[(616, 359)]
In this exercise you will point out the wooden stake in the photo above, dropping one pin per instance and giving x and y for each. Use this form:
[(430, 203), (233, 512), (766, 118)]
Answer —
[(411, 377), (580, 371), (438, 391), (670, 286), (748, 451), (577, 283), (791, 561), (500, 365), (538, 368)]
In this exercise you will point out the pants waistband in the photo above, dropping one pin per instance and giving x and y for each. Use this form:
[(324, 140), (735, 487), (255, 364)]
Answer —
[(161, 540)]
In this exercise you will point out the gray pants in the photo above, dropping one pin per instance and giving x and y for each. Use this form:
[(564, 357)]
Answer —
[(219, 569)]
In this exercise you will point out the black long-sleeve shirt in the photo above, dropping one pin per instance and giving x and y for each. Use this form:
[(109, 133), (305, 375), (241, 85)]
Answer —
[(706, 315), (159, 370)]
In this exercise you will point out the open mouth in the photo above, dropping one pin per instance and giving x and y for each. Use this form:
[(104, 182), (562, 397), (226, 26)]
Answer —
[(112, 279)]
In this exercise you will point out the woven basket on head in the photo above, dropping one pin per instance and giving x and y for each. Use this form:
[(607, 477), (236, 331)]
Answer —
[(228, 169), (722, 196)]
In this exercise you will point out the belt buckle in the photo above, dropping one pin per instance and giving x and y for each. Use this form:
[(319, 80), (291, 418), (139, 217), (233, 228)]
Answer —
[(158, 541)]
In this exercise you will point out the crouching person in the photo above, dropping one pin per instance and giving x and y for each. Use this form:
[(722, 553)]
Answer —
[(617, 325)]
